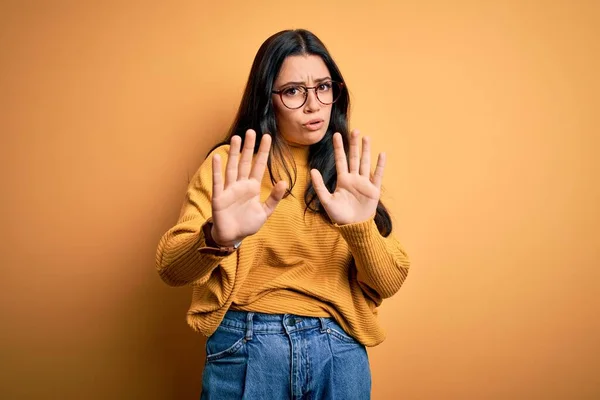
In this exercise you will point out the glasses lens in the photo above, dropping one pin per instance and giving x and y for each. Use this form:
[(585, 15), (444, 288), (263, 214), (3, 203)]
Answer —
[(329, 92), (293, 96)]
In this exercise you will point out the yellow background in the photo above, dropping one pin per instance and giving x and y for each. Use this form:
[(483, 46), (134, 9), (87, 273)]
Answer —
[(488, 112)]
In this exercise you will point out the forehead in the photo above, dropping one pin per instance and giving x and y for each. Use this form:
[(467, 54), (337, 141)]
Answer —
[(302, 68)]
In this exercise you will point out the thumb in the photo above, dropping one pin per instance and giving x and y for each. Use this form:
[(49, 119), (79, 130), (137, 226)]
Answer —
[(319, 186), (275, 197)]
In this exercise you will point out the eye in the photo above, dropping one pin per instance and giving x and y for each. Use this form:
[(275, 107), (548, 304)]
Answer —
[(324, 87), (292, 91)]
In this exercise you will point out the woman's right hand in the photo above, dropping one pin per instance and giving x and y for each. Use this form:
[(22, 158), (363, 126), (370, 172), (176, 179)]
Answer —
[(237, 211)]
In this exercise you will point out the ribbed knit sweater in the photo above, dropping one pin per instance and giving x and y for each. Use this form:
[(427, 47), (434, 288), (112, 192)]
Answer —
[(297, 263)]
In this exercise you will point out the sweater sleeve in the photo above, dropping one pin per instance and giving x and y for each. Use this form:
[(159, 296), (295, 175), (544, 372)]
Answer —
[(381, 262), (178, 259)]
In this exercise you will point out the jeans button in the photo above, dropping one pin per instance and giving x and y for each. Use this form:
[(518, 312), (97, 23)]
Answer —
[(291, 322)]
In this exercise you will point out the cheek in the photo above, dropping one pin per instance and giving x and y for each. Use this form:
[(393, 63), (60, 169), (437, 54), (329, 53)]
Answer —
[(288, 117), (281, 114), (327, 115)]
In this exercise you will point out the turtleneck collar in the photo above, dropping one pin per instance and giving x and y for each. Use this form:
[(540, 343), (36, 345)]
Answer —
[(300, 154)]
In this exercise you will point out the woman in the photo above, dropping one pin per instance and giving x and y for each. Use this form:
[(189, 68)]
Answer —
[(287, 268)]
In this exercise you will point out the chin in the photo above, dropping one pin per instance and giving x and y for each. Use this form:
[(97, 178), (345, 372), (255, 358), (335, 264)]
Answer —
[(307, 138)]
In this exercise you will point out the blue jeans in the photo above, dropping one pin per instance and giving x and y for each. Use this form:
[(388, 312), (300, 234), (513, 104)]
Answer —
[(258, 356)]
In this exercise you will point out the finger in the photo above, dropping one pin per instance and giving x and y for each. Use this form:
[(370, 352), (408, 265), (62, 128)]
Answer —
[(247, 154), (232, 161), (319, 186), (258, 170), (378, 175), (339, 155), (217, 176), (275, 197), (365, 160), (353, 152)]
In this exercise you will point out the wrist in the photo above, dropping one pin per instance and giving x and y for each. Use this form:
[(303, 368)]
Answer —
[(213, 247), (218, 242)]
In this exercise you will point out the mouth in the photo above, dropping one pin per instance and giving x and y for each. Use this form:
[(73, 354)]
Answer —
[(314, 124)]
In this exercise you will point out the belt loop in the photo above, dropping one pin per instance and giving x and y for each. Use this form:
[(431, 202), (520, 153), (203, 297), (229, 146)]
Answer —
[(323, 324), (249, 325)]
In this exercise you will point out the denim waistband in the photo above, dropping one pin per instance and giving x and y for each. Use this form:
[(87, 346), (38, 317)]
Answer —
[(253, 322)]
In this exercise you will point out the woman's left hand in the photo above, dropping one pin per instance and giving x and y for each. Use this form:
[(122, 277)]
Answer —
[(357, 192)]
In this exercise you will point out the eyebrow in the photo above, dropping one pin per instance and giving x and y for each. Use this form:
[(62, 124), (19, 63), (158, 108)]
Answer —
[(304, 83)]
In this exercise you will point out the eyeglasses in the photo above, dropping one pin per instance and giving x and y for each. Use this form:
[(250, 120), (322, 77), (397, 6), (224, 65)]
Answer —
[(294, 97)]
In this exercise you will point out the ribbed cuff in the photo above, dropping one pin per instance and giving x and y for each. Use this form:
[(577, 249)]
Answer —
[(359, 234), (182, 263)]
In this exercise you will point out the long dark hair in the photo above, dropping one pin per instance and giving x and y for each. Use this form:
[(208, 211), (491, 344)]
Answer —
[(256, 112)]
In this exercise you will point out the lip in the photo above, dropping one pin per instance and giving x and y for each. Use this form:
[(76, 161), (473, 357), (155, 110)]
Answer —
[(314, 124)]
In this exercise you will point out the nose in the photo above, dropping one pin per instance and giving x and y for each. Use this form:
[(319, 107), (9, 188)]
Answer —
[(312, 102)]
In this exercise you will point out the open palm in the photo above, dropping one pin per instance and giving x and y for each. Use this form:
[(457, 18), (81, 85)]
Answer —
[(237, 211), (357, 193)]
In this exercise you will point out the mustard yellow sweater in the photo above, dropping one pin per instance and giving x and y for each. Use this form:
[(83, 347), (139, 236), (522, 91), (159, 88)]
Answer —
[(297, 263)]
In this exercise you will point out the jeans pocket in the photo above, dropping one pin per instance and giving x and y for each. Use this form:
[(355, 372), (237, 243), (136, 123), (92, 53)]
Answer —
[(224, 343), (338, 332)]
